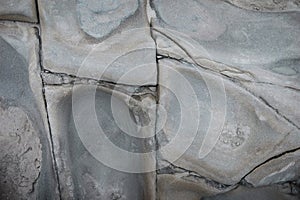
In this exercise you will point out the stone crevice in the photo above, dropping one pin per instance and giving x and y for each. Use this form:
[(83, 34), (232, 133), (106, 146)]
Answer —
[(277, 111), (59, 79), (173, 169), (47, 114), (157, 100), (270, 159), (35, 182), (19, 21)]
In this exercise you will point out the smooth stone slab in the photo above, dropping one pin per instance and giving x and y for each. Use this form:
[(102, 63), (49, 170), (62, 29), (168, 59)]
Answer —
[(99, 39), (82, 173), (282, 169), (276, 192), (23, 117), (261, 46), (283, 99), (18, 10), (250, 134)]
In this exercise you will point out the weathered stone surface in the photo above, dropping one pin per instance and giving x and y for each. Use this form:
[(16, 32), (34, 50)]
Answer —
[(267, 5), (20, 156), (102, 40), (236, 42), (283, 169), (82, 173), (282, 99), (99, 19), (276, 192), (225, 73), (19, 10), (184, 186), (26, 165), (251, 133), (224, 44)]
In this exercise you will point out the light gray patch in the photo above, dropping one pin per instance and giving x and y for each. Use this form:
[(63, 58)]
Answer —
[(99, 18)]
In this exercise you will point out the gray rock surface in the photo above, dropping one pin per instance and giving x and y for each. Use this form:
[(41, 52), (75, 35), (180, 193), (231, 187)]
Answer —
[(99, 19), (252, 133), (21, 10), (20, 156), (267, 5), (104, 41), (286, 168), (266, 193), (81, 173), (184, 186), (222, 34), (26, 161), (149, 99)]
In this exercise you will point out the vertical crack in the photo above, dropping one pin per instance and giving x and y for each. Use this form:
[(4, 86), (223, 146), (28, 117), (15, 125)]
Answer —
[(156, 99), (37, 11), (46, 106)]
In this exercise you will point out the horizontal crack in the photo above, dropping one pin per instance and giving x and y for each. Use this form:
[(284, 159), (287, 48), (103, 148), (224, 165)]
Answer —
[(173, 169), (63, 79), (23, 22)]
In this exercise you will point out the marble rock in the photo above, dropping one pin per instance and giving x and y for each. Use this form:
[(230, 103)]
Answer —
[(26, 161), (283, 169), (107, 40), (237, 129), (18, 10), (86, 168), (245, 45)]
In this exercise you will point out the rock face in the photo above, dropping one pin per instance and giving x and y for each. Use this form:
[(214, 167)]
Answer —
[(149, 99), (267, 6), (103, 40), (26, 162), (22, 10), (80, 172), (99, 19), (279, 170), (21, 154), (251, 132)]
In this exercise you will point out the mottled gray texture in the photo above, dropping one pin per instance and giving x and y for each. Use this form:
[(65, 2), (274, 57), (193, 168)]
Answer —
[(280, 170), (111, 46), (20, 156), (100, 18), (254, 46), (267, 193), (184, 186), (267, 5), (23, 117), (21, 10), (80, 174), (252, 133), (250, 47)]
